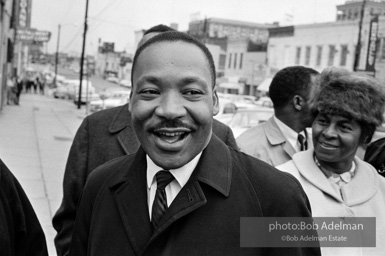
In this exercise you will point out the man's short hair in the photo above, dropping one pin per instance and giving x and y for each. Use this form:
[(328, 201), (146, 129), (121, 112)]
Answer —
[(288, 82), (158, 29), (175, 36)]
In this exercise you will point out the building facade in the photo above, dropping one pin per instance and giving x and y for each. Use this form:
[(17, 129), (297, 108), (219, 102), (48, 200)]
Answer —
[(241, 56), (7, 39), (334, 43)]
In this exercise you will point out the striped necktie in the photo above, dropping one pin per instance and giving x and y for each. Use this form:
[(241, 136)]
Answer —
[(159, 207)]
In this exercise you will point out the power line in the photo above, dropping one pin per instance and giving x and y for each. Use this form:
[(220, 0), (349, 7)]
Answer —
[(73, 39), (68, 11), (113, 22), (108, 6)]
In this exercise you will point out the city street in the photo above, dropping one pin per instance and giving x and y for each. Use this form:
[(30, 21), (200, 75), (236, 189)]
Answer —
[(35, 140)]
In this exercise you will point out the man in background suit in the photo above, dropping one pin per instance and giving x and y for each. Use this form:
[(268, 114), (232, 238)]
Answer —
[(184, 191), (276, 140), (103, 136)]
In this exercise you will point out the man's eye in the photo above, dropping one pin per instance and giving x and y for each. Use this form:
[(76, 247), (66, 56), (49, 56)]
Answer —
[(322, 121), (193, 92), (148, 91)]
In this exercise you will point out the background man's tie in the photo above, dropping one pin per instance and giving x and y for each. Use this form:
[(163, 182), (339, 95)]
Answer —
[(159, 207), (302, 141)]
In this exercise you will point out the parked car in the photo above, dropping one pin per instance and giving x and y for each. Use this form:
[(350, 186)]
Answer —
[(244, 119), (125, 83), (229, 105), (110, 100), (113, 79), (264, 102), (88, 91)]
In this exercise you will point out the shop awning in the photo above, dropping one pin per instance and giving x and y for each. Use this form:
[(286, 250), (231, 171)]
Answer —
[(265, 85)]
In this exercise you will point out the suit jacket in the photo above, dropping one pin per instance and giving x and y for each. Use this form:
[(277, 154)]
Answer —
[(102, 136), (204, 218), (363, 196), (20, 230), (266, 142)]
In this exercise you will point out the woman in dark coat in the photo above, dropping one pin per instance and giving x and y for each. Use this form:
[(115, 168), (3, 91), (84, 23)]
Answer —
[(20, 230)]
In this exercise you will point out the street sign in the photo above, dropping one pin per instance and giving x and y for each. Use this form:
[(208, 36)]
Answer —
[(30, 35)]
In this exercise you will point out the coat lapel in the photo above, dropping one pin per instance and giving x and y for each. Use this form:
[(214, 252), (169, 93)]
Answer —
[(214, 169), (365, 177), (122, 124), (275, 137), (309, 170), (131, 199)]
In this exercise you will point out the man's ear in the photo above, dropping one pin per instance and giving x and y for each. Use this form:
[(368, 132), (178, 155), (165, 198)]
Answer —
[(298, 102), (215, 101)]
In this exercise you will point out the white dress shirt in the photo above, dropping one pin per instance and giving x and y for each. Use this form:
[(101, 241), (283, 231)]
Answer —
[(290, 135), (181, 175)]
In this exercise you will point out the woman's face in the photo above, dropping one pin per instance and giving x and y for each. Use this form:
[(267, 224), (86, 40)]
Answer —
[(336, 139)]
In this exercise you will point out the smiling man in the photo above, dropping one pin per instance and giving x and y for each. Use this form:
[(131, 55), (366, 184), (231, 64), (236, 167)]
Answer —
[(184, 191)]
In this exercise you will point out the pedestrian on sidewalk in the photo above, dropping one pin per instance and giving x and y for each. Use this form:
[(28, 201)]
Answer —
[(11, 91), (20, 231), (19, 89), (41, 83)]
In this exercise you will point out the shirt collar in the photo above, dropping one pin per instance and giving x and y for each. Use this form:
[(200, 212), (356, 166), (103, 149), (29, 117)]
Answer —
[(346, 176), (181, 175), (289, 133)]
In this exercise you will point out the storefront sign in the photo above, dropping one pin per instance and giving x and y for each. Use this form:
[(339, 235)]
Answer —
[(29, 35), (372, 45)]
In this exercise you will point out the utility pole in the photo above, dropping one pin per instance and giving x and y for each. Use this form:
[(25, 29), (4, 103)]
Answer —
[(82, 57), (358, 46), (57, 54)]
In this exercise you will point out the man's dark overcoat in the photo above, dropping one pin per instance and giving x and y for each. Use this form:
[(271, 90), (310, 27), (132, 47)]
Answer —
[(102, 136), (204, 218), (20, 231)]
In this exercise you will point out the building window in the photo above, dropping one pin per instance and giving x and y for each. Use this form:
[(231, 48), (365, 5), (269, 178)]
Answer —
[(319, 55), (240, 60), (235, 60), (344, 54), (298, 55), (229, 60), (307, 55), (222, 61), (382, 51), (332, 51)]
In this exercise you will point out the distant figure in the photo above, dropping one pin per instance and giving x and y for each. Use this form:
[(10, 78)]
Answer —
[(347, 109), (20, 231), (19, 85), (11, 91), (284, 134), (29, 84), (103, 136), (35, 84), (40, 84)]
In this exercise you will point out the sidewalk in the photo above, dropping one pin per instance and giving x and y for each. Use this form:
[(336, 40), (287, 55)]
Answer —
[(35, 138)]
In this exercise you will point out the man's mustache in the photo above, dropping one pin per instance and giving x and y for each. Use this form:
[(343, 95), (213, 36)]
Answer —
[(174, 123)]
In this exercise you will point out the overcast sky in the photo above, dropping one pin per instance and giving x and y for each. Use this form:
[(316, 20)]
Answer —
[(117, 20)]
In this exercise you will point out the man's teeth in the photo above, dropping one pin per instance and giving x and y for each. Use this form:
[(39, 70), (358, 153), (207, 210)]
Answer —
[(171, 134), (171, 137)]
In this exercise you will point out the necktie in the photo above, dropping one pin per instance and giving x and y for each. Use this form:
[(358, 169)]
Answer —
[(159, 207), (302, 141)]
